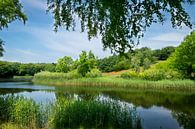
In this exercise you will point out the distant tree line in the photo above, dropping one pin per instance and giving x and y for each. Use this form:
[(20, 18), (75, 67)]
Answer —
[(142, 57), (10, 69), (86, 62)]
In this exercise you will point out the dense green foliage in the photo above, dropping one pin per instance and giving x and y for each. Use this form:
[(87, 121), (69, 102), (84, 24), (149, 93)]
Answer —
[(10, 10), (164, 53), (64, 64), (183, 59), (142, 57), (153, 75), (120, 24), (159, 71), (10, 69), (86, 62), (94, 73)]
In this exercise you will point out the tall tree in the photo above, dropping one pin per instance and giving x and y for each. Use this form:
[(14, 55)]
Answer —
[(87, 62), (183, 58), (64, 64), (10, 10), (120, 23)]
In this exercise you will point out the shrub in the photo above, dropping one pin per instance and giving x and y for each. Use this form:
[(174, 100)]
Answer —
[(86, 62), (94, 73), (64, 64), (160, 74), (73, 74), (130, 74)]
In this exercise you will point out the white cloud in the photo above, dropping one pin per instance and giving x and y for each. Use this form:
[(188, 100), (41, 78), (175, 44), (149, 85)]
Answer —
[(26, 52), (67, 43), (38, 4), (25, 56), (169, 37)]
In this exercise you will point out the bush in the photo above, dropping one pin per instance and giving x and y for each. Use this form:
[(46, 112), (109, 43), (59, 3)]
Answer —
[(130, 74), (86, 63), (160, 74), (64, 64), (160, 71), (94, 73)]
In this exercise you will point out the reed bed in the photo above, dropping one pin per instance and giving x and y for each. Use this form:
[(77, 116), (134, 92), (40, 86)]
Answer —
[(22, 113), (114, 82)]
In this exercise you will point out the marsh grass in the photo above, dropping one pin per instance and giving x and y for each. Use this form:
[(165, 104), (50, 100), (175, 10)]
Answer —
[(93, 114), (115, 82), (22, 113)]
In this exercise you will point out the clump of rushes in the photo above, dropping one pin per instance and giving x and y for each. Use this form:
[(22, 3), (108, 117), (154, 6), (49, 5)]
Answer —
[(6, 106), (57, 76), (93, 114), (21, 112), (25, 113)]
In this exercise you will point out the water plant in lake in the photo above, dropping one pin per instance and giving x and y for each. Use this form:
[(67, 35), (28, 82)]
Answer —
[(66, 113)]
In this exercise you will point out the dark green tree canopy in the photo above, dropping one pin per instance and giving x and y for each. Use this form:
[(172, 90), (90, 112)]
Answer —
[(183, 58), (10, 10), (120, 23)]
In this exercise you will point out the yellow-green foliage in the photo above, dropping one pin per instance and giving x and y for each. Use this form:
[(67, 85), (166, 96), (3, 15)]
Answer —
[(25, 112), (94, 73), (160, 74), (9, 126), (57, 76), (130, 74), (159, 71)]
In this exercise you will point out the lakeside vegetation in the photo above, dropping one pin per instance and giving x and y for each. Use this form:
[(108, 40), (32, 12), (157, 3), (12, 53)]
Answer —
[(114, 82), (18, 112)]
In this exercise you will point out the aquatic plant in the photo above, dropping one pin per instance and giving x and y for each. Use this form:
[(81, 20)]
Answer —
[(65, 113)]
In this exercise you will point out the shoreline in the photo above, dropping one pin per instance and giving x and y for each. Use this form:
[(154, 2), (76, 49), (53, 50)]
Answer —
[(115, 82)]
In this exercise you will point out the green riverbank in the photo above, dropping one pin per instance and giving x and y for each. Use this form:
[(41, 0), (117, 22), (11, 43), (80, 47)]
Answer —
[(117, 82)]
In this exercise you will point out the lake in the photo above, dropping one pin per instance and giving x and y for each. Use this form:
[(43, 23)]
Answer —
[(155, 109)]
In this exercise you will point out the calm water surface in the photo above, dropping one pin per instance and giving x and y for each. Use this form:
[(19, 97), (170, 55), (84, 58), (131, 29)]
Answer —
[(157, 110)]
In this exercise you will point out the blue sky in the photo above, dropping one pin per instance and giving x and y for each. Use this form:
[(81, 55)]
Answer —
[(37, 42)]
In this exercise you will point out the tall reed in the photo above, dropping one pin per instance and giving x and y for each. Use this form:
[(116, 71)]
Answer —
[(27, 114)]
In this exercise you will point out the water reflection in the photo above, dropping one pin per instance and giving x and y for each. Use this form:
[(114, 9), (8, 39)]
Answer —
[(157, 110)]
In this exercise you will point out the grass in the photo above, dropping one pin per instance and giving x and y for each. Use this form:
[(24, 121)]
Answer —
[(22, 113), (114, 82)]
